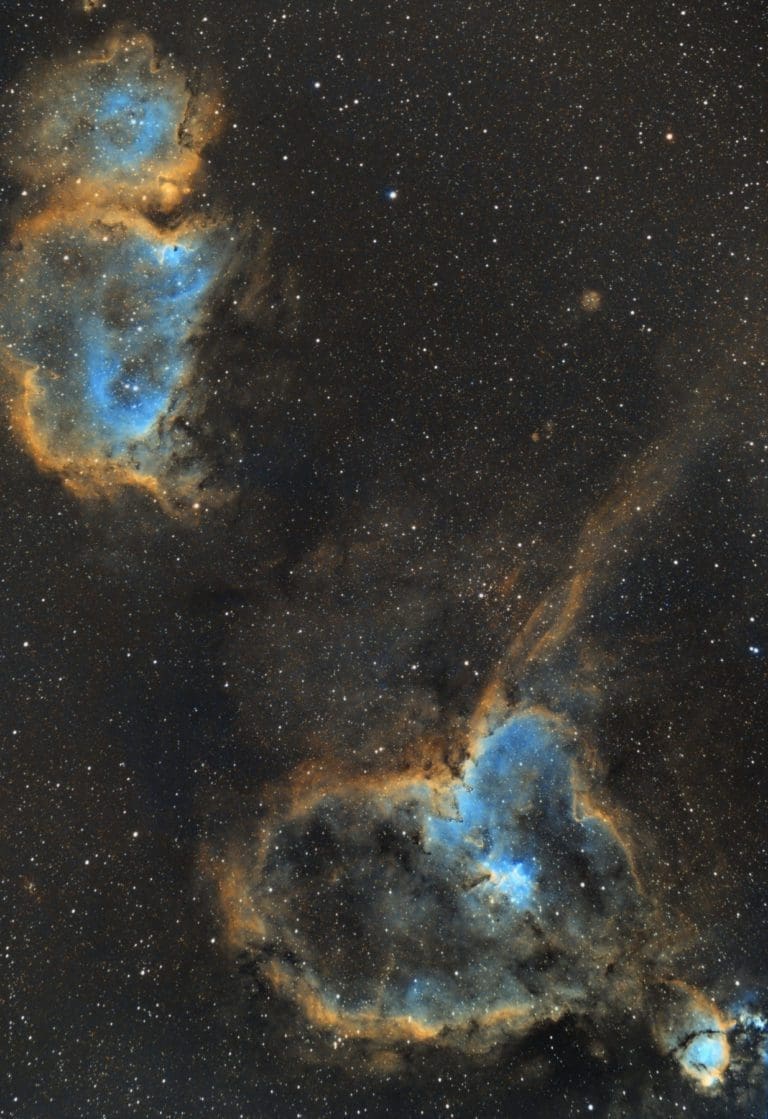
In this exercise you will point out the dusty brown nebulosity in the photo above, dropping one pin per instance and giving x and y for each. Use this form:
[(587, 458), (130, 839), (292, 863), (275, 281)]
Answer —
[(591, 300)]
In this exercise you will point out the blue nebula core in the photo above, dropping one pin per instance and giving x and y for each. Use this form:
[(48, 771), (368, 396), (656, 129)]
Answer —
[(115, 339), (133, 361), (491, 895), (484, 830), (696, 1036), (131, 125), (705, 1053), (113, 118)]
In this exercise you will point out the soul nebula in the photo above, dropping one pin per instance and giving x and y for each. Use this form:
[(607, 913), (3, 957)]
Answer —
[(108, 285)]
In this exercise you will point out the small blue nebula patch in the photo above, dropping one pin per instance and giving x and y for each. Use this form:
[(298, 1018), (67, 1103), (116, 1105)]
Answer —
[(754, 1028), (705, 1054), (693, 1031), (487, 899), (107, 311)]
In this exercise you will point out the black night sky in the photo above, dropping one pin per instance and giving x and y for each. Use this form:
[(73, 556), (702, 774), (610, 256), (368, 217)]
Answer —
[(383, 560)]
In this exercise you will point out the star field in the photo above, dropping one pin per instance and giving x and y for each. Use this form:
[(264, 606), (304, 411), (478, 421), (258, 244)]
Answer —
[(383, 568)]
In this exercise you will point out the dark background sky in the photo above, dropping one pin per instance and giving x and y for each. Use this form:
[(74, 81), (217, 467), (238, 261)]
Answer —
[(418, 420)]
